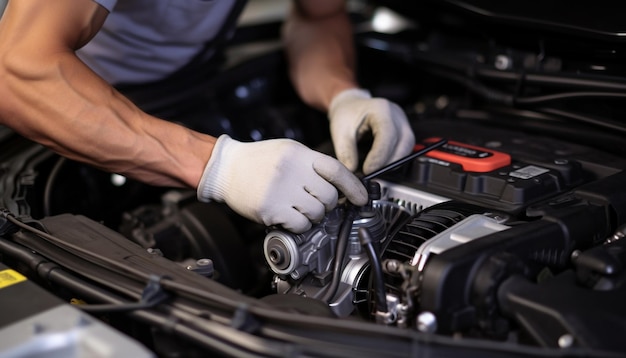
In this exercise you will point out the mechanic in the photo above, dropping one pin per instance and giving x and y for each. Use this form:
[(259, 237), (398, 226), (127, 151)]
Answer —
[(59, 94)]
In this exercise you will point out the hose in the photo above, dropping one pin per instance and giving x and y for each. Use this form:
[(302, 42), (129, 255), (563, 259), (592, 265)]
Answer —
[(366, 240), (342, 244)]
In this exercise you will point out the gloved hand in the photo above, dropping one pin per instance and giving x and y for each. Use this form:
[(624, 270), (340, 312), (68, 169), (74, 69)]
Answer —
[(352, 113), (277, 182)]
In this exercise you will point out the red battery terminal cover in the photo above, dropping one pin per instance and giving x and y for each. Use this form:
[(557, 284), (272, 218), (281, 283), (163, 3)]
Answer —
[(472, 158)]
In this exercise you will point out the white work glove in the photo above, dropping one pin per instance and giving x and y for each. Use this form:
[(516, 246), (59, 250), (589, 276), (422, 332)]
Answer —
[(354, 112), (277, 182)]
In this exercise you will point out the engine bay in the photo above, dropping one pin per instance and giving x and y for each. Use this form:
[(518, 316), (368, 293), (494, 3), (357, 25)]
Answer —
[(503, 237)]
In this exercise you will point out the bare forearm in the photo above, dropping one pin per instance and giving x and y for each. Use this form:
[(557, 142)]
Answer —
[(320, 50), (59, 102), (51, 97)]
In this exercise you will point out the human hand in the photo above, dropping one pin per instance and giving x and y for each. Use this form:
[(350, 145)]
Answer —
[(354, 112), (277, 182)]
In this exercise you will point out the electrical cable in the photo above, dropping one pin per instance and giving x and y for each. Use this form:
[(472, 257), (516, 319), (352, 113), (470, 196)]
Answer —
[(557, 79), (151, 296), (55, 273), (567, 95), (474, 86), (604, 123), (602, 83), (462, 64), (496, 96), (47, 193), (136, 273), (340, 251), (366, 240), (60, 243)]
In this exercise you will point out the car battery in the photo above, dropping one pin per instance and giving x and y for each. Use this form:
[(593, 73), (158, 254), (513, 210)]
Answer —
[(488, 177)]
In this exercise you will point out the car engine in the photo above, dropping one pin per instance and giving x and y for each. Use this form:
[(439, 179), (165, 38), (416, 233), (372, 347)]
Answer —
[(501, 235)]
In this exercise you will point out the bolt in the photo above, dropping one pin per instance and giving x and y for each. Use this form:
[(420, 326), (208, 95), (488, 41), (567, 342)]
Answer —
[(391, 266), (276, 256), (295, 275), (426, 322), (566, 341), (502, 62), (203, 262), (442, 102)]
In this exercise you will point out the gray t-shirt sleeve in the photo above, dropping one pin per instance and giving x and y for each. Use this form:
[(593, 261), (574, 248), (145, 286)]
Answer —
[(143, 41), (107, 4)]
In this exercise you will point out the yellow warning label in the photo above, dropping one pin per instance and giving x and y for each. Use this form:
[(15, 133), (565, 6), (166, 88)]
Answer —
[(10, 277)]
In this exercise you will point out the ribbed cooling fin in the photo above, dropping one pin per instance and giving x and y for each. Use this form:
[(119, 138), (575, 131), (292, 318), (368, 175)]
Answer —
[(424, 226)]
